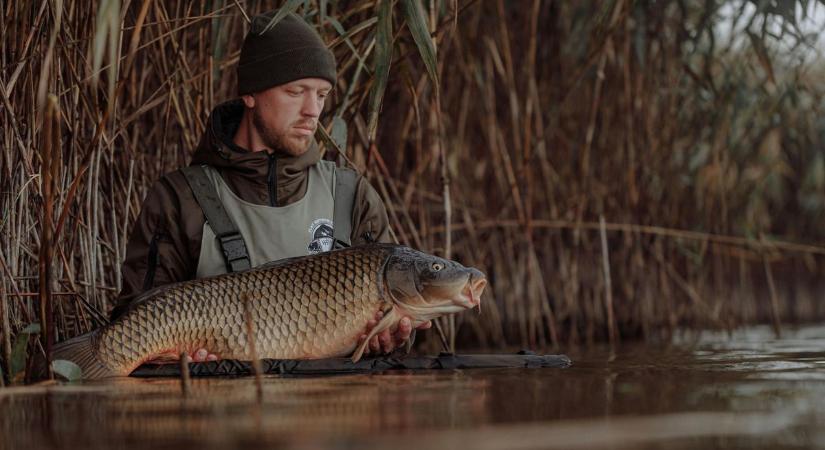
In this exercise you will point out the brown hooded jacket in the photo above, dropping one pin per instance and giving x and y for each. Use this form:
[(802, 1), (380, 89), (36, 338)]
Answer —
[(165, 243)]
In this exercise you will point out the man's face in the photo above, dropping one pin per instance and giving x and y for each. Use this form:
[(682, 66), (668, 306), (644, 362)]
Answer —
[(286, 116)]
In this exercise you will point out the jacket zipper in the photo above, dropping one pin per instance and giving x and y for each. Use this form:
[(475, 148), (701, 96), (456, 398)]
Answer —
[(271, 182)]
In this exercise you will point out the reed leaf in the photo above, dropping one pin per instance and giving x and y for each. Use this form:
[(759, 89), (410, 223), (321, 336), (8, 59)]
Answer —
[(346, 37), (289, 7), (49, 59), (67, 369), (381, 71), (324, 136), (219, 35), (19, 354), (339, 133), (417, 24), (106, 36)]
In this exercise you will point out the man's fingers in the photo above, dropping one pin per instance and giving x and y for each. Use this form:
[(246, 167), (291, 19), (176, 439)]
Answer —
[(386, 341), (200, 355), (404, 330)]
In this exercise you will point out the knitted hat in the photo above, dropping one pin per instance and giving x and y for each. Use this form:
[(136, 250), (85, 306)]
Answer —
[(286, 52)]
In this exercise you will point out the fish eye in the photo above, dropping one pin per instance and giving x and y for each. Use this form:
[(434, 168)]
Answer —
[(437, 266)]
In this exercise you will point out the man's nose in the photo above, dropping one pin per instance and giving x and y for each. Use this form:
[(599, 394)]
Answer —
[(312, 105)]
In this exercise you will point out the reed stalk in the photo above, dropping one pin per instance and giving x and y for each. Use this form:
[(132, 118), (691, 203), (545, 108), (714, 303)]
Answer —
[(608, 285), (50, 166), (4, 321), (185, 377), (775, 317)]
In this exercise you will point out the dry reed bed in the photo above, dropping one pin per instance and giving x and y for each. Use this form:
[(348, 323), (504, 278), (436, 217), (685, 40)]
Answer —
[(618, 168)]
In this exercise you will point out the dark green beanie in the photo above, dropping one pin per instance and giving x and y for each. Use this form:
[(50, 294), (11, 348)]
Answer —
[(288, 51)]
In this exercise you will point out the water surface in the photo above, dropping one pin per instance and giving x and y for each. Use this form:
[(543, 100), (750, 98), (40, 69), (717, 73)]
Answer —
[(745, 390)]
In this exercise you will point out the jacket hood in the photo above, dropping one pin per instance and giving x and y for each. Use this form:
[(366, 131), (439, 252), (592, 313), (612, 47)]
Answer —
[(217, 149)]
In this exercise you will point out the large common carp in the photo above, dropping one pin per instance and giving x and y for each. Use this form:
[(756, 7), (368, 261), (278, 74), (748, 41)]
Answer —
[(300, 308)]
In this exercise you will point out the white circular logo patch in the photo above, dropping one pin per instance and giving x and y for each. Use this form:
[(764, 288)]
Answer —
[(320, 236)]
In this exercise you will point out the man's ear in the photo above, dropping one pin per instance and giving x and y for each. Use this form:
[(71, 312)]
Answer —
[(248, 100)]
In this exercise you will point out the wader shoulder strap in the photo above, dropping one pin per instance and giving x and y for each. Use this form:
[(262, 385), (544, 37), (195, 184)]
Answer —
[(345, 182), (229, 237)]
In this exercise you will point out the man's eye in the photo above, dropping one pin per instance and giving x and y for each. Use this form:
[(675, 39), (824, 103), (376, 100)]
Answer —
[(293, 92)]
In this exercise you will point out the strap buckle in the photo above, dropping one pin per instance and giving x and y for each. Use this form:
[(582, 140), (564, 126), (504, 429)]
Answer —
[(234, 251)]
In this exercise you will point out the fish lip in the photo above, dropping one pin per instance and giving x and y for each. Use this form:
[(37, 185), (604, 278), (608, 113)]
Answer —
[(470, 296)]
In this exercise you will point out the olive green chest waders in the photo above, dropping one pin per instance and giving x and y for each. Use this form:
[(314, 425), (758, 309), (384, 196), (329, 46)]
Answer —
[(238, 235)]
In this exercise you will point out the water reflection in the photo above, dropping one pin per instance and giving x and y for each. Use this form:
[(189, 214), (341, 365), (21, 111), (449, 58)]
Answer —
[(708, 391)]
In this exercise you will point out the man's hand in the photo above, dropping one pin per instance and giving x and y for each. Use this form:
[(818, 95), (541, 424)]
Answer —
[(200, 355), (386, 342), (203, 355)]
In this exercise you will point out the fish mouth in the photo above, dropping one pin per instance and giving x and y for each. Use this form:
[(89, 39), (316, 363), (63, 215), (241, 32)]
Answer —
[(470, 295), (435, 299)]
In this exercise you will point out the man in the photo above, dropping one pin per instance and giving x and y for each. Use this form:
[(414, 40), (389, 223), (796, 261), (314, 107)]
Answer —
[(257, 175)]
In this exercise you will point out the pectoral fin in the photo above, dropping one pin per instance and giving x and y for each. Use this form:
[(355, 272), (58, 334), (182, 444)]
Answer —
[(390, 318)]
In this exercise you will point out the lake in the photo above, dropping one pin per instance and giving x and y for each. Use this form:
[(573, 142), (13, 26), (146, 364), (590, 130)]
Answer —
[(747, 389)]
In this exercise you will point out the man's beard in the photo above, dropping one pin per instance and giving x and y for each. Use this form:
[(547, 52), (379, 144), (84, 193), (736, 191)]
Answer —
[(280, 142)]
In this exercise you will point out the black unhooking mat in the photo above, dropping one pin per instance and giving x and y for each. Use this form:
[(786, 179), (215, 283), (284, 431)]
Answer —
[(339, 366)]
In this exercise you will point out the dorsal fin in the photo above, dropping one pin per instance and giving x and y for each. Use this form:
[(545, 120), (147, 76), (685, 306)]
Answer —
[(151, 293)]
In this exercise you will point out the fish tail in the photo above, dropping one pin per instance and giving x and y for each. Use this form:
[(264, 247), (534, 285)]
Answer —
[(81, 350)]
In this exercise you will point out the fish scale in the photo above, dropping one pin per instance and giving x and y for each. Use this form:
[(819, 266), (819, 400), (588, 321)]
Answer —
[(318, 310)]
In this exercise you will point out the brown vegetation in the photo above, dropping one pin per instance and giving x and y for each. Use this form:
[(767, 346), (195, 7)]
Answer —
[(619, 168)]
